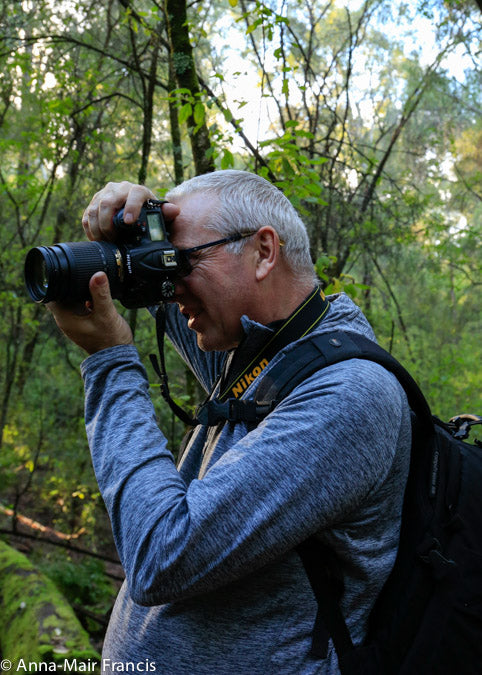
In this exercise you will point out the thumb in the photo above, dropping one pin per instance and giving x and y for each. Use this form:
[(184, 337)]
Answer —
[(100, 291)]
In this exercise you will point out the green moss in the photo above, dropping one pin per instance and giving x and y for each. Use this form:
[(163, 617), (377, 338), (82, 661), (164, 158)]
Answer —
[(37, 623)]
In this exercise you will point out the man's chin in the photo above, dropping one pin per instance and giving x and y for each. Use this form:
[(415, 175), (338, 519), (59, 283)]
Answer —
[(211, 344), (204, 344)]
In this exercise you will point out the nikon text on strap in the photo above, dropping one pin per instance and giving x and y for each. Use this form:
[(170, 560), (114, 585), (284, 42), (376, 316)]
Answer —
[(229, 406)]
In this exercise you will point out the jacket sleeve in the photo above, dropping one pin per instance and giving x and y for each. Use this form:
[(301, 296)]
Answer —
[(327, 448)]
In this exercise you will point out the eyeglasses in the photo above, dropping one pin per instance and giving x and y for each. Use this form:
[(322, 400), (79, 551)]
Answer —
[(185, 266)]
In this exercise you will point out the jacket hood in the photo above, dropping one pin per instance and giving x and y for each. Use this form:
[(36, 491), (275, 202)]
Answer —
[(344, 314)]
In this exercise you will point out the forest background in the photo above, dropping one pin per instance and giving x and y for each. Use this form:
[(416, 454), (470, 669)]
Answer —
[(365, 113)]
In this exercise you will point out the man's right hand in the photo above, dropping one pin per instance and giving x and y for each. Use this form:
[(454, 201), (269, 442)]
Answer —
[(97, 220), (98, 216)]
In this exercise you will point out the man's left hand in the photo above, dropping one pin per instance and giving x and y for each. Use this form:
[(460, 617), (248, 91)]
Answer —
[(97, 325)]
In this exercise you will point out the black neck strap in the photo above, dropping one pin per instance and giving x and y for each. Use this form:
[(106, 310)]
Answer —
[(161, 369), (296, 326)]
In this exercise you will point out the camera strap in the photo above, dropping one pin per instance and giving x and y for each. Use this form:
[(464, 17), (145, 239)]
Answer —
[(297, 325), (160, 368), (243, 368)]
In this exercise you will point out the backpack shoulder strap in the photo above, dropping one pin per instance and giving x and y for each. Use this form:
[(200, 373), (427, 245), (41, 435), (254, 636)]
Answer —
[(325, 349), (305, 358), (318, 351)]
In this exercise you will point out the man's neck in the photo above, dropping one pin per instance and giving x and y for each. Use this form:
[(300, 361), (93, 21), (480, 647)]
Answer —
[(279, 301)]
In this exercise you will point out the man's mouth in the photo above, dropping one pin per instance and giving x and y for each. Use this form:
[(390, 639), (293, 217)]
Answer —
[(193, 320), (191, 316)]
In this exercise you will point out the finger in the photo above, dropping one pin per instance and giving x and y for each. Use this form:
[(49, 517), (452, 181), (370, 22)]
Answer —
[(170, 211), (97, 217), (136, 197), (97, 220), (68, 317), (89, 218), (100, 292), (104, 206), (76, 307), (110, 328)]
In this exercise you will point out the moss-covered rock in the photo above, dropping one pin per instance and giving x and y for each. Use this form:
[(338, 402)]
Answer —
[(36, 622)]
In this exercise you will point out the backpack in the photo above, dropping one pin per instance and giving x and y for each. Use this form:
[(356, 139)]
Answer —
[(428, 617)]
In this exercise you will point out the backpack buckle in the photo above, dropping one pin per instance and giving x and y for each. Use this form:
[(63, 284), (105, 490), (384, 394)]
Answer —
[(431, 553), (233, 410)]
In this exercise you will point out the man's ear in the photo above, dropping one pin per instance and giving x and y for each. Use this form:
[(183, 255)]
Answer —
[(268, 250)]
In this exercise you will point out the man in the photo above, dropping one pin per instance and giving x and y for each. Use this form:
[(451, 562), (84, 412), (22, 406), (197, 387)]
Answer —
[(214, 583)]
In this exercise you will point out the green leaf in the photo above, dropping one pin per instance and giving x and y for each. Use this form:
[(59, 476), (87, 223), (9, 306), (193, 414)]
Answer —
[(227, 160), (253, 26), (199, 113), (185, 112), (287, 168)]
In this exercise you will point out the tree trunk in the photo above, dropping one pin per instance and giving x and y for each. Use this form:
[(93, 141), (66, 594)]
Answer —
[(186, 78), (175, 129)]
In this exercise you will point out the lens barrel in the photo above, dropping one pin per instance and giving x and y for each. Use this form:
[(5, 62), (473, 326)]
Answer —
[(54, 273)]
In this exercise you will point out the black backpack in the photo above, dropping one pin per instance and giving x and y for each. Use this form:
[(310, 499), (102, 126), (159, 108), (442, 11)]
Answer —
[(428, 617)]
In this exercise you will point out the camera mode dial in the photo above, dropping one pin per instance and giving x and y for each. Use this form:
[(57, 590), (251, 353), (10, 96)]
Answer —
[(167, 289)]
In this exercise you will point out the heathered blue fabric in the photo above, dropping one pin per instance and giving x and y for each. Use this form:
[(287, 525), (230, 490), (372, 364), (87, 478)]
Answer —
[(213, 584)]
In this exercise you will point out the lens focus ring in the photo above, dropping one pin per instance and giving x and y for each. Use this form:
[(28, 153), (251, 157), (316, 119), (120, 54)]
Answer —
[(63, 271)]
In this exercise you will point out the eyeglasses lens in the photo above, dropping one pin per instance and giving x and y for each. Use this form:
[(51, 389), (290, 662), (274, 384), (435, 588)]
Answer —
[(185, 267)]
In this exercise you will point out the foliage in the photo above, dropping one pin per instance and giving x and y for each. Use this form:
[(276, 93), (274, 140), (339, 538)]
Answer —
[(443, 330), (38, 625), (372, 134), (83, 583)]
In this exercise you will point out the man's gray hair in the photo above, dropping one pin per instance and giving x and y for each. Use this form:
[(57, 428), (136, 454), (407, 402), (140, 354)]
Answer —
[(248, 202)]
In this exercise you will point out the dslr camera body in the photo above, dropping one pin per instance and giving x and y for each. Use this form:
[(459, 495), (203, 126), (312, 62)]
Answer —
[(141, 264)]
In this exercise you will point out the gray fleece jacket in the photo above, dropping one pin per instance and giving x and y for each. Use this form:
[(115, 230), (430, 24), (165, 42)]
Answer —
[(213, 584)]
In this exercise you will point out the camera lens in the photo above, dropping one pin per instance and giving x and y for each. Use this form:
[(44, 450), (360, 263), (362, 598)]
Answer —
[(39, 272), (64, 270)]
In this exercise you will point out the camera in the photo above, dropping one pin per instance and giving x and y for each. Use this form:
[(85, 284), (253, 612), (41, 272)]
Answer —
[(141, 265)]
